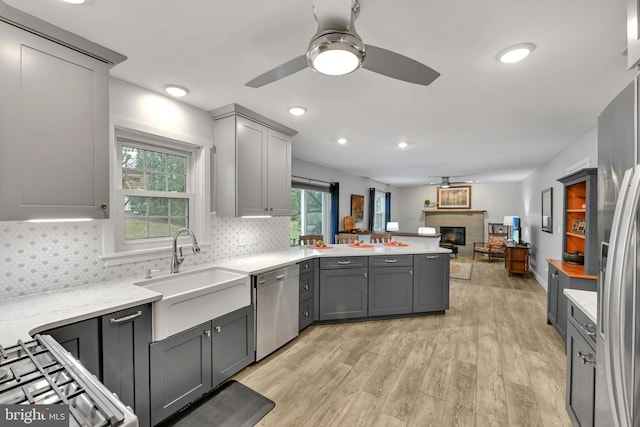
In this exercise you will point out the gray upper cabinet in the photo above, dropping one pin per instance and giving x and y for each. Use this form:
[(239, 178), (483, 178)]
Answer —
[(252, 164), (54, 133), (633, 34)]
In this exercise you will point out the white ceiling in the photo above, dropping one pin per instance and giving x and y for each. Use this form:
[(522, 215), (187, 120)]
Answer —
[(480, 120)]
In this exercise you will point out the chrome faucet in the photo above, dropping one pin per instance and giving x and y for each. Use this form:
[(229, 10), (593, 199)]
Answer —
[(176, 261)]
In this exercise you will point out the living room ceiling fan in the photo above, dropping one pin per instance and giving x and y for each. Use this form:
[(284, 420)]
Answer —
[(445, 182), (337, 49)]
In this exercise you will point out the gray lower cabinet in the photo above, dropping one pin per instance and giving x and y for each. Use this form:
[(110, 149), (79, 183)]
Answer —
[(581, 368), (82, 340), (430, 282), (233, 343), (307, 280), (390, 285), (188, 364), (126, 336), (180, 370), (557, 282), (343, 293)]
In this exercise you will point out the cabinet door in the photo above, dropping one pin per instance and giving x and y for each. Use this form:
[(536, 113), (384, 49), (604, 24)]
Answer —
[(581, 377), (233, 343), (431, 282), (552, 295), (251, 167), (390, 290), (180, 370), (343, 293), (279, 173), (82, 340), (126, 336), (305, 313), (633, 34), (53, 130)]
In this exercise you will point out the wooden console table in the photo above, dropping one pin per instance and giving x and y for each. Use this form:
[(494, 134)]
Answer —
[(517, 259)]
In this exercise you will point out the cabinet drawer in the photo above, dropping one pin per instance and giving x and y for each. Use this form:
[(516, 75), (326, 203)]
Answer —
[(306, 266), (343, 262), (306, 314), (306, 286), (583, 324), (391, 261)]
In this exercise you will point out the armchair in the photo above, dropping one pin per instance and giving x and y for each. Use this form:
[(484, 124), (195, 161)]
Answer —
[(494, 247)]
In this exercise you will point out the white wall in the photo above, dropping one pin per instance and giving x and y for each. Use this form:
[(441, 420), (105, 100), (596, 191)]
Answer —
[(549, 245), (349, 184), (498, 199)]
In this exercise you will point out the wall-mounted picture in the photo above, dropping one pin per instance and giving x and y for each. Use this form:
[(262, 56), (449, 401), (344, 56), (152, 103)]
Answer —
[(357, 207), (454, 197)]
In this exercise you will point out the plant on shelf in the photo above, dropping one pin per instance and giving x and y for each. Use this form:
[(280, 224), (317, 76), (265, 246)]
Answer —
[(429, 205)]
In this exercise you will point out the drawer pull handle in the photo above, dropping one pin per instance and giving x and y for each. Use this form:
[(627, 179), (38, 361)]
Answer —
[(217, 329), (306, 266), (344, 262), (306, 287), (586, 358), (588, 328), (391, 261), (207, 333), (261, 282), (306, 314), (281, 277), (432, 256), (126, 318)]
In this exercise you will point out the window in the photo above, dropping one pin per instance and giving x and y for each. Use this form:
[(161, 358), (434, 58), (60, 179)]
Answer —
[(379, 212), (309, 213), (154, 190), (157, 192)]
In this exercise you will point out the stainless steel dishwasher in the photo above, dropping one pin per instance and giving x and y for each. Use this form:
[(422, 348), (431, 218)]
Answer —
[(276, 309)]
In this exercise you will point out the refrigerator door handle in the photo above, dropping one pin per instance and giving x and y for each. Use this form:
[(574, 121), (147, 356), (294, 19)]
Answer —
[(615, 326), (603, 277)]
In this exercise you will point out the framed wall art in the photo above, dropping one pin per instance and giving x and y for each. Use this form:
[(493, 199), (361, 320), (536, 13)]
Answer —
[(454, 197), (357, 207)]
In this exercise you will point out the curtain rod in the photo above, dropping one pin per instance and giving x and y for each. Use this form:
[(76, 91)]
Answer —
[(309, 180)]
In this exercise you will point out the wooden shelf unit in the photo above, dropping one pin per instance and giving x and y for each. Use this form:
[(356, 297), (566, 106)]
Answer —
[(580, 233)]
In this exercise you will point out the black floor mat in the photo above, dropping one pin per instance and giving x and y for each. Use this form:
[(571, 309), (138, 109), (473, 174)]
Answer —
[(230, 405)]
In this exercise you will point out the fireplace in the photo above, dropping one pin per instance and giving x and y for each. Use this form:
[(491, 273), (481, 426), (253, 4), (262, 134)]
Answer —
[(455, 235)]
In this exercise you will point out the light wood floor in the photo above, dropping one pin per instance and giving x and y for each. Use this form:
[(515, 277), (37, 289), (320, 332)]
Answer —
[(491, 360)]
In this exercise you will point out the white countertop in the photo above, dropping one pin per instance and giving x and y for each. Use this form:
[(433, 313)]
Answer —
[(587, 301), (25, 316)]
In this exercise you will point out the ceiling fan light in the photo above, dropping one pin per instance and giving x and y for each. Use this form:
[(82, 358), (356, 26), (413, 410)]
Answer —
[(516, 53), (335, 54)]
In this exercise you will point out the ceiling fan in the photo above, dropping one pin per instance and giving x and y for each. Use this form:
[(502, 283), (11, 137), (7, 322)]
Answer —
[(446, 182), (337, 49)]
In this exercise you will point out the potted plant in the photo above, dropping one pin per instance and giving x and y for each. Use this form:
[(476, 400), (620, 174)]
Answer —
[(429, 205)]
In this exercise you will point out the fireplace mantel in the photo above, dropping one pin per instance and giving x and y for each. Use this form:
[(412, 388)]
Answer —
[(446, 211)]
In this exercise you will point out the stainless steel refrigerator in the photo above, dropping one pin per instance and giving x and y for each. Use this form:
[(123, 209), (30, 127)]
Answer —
[(617, 396)]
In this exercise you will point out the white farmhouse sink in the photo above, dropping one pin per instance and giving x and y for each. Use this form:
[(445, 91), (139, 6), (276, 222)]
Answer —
[(191, 298)]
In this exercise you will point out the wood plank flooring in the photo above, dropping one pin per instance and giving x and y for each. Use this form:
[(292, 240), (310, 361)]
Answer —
[(491, 360)]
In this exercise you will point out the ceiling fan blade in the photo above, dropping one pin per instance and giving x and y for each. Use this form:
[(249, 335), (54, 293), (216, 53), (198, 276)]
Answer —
[(290, 67), (397, 66)]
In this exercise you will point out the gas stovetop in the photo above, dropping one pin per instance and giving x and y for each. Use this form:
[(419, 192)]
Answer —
[(42, 372)]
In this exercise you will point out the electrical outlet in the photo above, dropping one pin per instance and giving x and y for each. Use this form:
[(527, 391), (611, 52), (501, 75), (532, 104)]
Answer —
[(242, 240), (253, 239)]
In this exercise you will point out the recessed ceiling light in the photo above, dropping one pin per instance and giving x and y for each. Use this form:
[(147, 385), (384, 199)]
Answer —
[(342, 140), (74, 1), (515, 53), (177, 91), (403, 144), (297, 111)]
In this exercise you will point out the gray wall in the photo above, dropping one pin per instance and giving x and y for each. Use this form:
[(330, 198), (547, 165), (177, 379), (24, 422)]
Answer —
[(549, 245)]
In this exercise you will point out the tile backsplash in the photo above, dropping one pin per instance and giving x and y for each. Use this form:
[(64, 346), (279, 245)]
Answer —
[(40, 257)]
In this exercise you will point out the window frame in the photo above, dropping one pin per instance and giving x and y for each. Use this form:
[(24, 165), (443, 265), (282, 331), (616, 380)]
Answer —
[(326, 205), (116, 250), (379, 196)]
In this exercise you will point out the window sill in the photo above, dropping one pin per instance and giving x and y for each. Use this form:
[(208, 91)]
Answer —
[(129, 257)]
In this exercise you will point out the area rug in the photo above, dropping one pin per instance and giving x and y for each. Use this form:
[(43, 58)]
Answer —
[(460, 270), (231, 405)]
